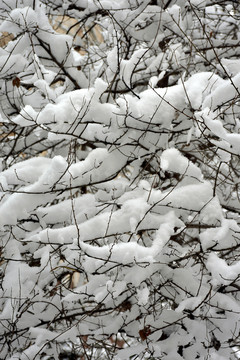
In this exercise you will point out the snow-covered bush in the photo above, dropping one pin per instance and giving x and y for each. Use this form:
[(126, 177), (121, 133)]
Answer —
[(119, 206)]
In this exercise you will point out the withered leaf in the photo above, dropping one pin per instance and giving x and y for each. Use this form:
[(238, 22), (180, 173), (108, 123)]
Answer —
[(16, 82), (145, 332)]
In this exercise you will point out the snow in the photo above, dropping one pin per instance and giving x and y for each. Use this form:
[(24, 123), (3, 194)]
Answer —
[(112, 59), (119, 205), (160, 105), (27, 171), (226, 91), (30, 196), (143, 295), (231, 65), (41, 335), (172, 160), (199, 86), (128, 66), (193, 197), (26, 116), (132, 351), (20, 18), (17, 61), (222, 274), (217, 128)]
